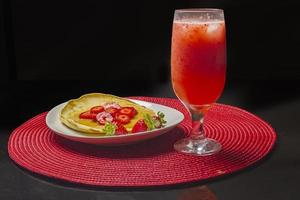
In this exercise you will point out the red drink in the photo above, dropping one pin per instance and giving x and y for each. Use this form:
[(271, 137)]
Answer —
[(198, 71), (198, 61)]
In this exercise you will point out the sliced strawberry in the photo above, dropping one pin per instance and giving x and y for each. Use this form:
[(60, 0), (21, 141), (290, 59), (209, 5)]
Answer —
[(121, 129), (97, 109), (104, 117), (130, 111), (112, 111), (123, 119), (87, 115), (139, 126)]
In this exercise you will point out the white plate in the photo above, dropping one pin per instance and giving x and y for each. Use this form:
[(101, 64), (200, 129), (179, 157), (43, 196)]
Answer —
[(172, 116)]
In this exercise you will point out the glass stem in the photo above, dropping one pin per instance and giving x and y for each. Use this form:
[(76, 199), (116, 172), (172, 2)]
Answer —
[(197, 123)]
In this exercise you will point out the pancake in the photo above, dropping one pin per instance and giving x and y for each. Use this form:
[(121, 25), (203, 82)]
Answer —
[(69, 115)]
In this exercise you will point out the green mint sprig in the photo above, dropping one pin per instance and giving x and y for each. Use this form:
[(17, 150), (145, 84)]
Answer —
[(155, 121), (109, 129)]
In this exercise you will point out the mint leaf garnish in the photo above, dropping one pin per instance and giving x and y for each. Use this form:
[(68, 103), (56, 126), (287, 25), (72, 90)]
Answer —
[(109, 128)]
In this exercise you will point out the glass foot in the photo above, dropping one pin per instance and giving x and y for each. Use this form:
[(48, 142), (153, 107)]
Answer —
[(198, 147)]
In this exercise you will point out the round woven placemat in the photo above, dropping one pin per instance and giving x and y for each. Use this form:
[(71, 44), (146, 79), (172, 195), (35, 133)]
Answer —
[(245, 138)]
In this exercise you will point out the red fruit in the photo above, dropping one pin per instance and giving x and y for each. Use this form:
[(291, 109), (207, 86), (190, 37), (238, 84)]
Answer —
[(112, 111), (130, 111), (97, 109), (139, 126), (88, 115), (121, 129), (123, 119)]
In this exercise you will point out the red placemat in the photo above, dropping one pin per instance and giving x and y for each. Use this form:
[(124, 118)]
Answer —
[(245, 138)]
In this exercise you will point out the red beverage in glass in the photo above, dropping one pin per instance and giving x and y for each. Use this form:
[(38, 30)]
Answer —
[(198, 61), (198, 64)]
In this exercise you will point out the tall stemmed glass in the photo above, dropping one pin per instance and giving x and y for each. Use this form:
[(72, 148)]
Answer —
[(198, 68)]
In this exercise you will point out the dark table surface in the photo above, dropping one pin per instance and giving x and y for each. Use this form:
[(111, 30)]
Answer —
[(277, 102)]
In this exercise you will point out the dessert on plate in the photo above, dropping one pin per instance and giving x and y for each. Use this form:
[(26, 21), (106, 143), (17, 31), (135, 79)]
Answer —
[(107, 115)]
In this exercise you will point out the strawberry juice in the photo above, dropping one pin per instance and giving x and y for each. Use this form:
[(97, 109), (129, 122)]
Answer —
[(198, 60)]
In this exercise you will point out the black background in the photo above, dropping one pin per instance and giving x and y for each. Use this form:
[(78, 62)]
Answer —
[(125, 40), (56, 50)]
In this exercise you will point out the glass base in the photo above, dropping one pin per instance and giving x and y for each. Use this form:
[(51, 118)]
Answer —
[(198, 147)]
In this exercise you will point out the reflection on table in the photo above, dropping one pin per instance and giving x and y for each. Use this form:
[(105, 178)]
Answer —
[(197, 193)]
